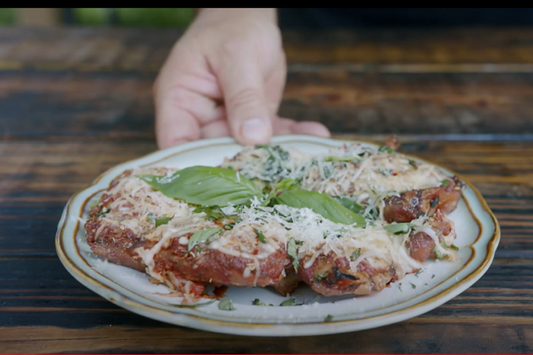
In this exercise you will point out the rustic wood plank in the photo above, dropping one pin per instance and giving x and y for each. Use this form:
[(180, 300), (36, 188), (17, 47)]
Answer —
[(406, 337), (75, 105), (146, 49)]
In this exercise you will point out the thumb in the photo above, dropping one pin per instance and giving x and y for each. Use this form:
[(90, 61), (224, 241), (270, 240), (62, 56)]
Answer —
[(242, 85)]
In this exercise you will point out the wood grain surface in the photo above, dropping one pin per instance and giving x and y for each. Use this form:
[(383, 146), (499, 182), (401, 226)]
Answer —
[(76, 102)]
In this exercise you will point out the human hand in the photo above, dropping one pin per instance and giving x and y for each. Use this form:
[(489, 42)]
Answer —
[(224, 77)]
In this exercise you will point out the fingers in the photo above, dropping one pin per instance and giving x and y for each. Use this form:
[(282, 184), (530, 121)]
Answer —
[(284, 126), (241, 80), (215, 129), (275, 84), (175, 126), (182, 102)]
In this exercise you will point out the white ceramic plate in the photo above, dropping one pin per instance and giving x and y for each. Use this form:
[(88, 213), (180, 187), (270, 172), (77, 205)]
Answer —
[(477, 236)]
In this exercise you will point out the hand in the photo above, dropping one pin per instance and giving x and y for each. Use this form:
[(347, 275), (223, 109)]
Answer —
[(224, 77)]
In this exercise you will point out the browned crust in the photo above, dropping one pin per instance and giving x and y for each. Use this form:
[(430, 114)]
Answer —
[(330, 275), (412, 204)]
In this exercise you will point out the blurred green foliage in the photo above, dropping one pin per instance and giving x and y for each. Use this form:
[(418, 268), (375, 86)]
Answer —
[(134, 17), (7, 17), (127, 17)]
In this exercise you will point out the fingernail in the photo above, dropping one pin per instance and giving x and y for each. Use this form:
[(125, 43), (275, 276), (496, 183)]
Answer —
[(256, 130)]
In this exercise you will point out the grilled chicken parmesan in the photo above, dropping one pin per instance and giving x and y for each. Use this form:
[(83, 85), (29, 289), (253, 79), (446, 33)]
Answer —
[(347, 222)]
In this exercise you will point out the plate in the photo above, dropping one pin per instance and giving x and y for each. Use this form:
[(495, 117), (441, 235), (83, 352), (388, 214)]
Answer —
[(478, 235)]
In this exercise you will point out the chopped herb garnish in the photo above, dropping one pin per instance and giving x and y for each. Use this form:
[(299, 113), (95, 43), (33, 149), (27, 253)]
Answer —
[(213, 212), (257, 302), (355, 254), (229, 226), (419, 272), (202, 236), (400, 287), (439, 254), (162, 221), (226, 305), (319, 277), (339, 159), (288, 302), (291, 250), (413, 164), (398, 228), (454, 247), (260, 236), (412, 285), (328, 318), (445, 182), (387, 149), (432, 276), (270, 305), (104, 211), (384, 172)]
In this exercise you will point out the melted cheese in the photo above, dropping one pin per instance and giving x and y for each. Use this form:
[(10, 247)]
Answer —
[(365, 174)]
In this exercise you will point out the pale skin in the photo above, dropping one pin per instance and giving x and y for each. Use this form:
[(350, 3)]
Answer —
[(225, 77)]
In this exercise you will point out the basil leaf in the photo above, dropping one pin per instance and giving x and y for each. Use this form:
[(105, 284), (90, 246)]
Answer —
[(288, 302), (163, 220), (213, 212), (322, 204), (291, 250), (260, 236), (398, 228), (204, 185), (202, 236), (285, 184), (349, 204), (226, 305), (193, 305)]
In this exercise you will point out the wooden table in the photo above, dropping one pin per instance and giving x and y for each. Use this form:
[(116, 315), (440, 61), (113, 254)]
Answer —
[(75, 102)]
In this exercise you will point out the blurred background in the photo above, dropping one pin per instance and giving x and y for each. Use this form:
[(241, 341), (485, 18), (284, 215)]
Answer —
[(289, 18), (126, 17)]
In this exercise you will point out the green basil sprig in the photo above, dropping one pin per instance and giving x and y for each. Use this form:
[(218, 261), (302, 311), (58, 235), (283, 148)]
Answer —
[(203, 185), (321, 204)]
